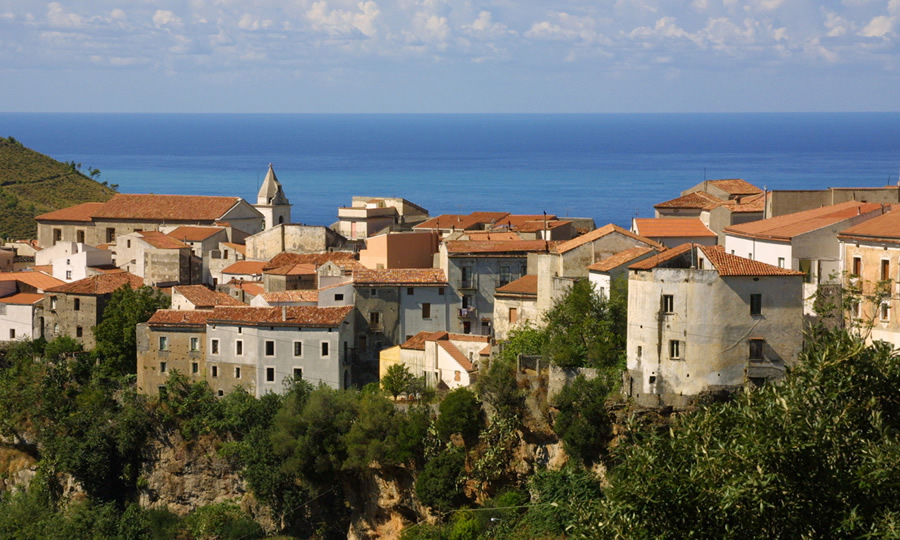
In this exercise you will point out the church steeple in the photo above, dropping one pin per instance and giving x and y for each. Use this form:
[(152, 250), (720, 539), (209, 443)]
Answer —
[(272, 202)]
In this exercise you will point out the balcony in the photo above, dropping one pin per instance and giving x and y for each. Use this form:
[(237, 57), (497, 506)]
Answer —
[(468, 313), (468, 284), (376, 327)]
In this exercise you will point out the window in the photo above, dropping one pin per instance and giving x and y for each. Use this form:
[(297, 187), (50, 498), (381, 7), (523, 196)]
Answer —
[(214, 346), (214, 371), (220, 393), (466, 302), (857, 266), (237, 372), (885, 311), (780, 262), (298, 374), (373, 293), (467, 327), (195, 367), (755, 304), (504, 275), (426, 310), (338, 297), (674, 349), (79, 332), (885, 270), (79, 237), (374, 317), (195, 344), (756, 349), (270, 374), (513, 315), (110, 234), (324, 349), (68, 274), (163, 343), (668, 303), (240, 330), (239, 347), (440, 291), (52, 302), (640, 351), (700, 263), (163, 367), (128, 243), (12, 333), (854, 310), (410, 291), (298, 348), (270, 348), (77, 304), (57, 235)]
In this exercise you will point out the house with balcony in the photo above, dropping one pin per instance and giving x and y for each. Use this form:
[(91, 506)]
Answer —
[(701, 319)]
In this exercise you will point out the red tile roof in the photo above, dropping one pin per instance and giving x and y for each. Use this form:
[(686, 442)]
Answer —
[(38, 280), (180, 318), (462, 222), (487, 236), (240, 248), (660, 258), (160, 240), (301, 269), (343, 259), (301, 295), (107, 269), (672, 228), (735, 186), (204, 298), (187, 233), (400, 277), (245, 267), (417, 342), (252, 287), (695, 200), (535, 226), (165, 207), (79, 212), (514, 221), (306, 316), (100, 284), (22, 298), (732, 265), (623, 257), (524, 285), (456, 354), (784, 228), (748, 204), (596, 234), (885, 227), (457, 247)]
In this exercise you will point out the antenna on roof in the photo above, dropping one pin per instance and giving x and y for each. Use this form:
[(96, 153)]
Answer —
[(704, 174)]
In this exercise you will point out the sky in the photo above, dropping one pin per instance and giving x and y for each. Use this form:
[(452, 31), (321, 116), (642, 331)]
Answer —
[(437, 56)]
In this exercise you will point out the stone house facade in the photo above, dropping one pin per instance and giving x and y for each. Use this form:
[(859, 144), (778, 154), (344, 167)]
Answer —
[(172, 340)]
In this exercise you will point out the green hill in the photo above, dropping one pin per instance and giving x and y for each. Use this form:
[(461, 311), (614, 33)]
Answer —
[(32, 184)]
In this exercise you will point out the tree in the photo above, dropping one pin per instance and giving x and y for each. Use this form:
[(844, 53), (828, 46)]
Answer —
[(397, 380), (460, 413), (497, 385), (116, 341), (583, 422), (438, 485)]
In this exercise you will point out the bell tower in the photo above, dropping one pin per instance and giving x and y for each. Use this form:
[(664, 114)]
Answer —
[(272, 202)]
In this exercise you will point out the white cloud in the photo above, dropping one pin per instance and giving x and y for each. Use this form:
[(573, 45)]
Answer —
[(894, 7), (665, 27), (769, 5), (567, 28), (250, 22), (880, 26), (117, 15), (164, 17), (57, 16), (484, 25), (837, 26), (429, 28), (8, 16), (339, 21)]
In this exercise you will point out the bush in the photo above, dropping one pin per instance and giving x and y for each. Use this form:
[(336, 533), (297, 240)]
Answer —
[(438, 485)]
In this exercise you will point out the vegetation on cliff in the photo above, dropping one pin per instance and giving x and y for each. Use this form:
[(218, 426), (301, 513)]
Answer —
[(32, 184)]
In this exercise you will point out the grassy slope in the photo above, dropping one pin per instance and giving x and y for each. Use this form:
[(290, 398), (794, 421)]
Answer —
[(32, 184)]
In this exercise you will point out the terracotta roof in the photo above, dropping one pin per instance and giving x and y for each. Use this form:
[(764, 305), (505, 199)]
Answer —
[(417, 342), (695, 200), (165, 207), (180, 318), (38, 280), (79, 212), (253, 287), (457, 355), (486, 236), (462, 222), (187, 233), (672, 228), (535, 226), (204, 298), (732, 265), (43, 268), (245, 267), (600, 233), (343, 259), (524, 285), (301, 269), (748, 203), (107, 269), (100, 284), (885, 227), (735, 186), (619, 259), (507, 246), (301, 295), (486, 351), (514, 221), (786, 227), (160, 240), (22, 298), (660, 258), (400, 276), (308, 316), (240, 248)]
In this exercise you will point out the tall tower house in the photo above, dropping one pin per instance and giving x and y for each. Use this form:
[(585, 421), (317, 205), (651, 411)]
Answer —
[(272, 202)]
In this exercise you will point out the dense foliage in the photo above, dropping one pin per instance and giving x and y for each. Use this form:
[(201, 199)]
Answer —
[(116, 339)]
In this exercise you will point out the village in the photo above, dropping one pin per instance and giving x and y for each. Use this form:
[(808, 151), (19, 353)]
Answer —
[(721, 284)]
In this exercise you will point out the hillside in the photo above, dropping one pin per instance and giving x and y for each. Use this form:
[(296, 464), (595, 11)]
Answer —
[(32, 184)]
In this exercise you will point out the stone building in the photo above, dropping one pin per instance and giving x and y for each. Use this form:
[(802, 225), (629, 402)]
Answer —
[(700, 319), (271, 201), (172, 340), (161, 260), (515, 305)]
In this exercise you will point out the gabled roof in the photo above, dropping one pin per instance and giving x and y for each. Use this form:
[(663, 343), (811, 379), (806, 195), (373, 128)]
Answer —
[(22, 299), (79, 212), (462, 222), (166, 207), (180, 318), (619, 259), (252, 287), (492, 236), (304, 316), (525, 285), (535, 226), (160, 240), (417, 342), (695, 200), (672, 228), (784, 228), (100, 284), (661, 258), (189, 233), (203, 298), (596, 234), (883, 228), (399, 277), (514, 221), (735, 186), (240, 248), (245, 267), (344, 259), (299, 295), (38, 280), (726, 264), (456, 247), (748, 204), (300, 269), (456, 354)]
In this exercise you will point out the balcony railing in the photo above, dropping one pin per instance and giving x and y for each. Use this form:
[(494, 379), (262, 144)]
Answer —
[(468, 284), (467, 313)]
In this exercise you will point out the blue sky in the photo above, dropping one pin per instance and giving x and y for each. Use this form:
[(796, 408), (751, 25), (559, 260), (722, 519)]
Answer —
[(449, 56)]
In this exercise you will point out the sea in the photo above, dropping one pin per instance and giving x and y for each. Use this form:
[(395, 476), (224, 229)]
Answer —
[(609, 167)]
